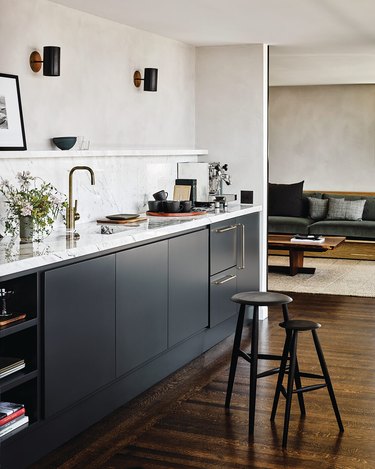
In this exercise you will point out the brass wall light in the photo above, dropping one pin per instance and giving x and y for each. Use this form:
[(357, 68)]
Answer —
[(150, 81), (51, 61)]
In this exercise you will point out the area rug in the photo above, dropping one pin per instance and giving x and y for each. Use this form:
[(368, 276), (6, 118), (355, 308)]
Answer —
[(332, 277)]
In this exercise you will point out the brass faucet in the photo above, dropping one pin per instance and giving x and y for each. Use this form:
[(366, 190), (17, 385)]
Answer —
[(71, 212)]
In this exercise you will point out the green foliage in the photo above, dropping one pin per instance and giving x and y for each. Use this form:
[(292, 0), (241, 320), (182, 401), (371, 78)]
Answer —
[(33, 198)]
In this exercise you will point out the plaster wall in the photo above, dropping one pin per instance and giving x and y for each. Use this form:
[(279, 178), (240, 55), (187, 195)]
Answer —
[(324, 135), (231, 121), (95, 95), (230, 111)]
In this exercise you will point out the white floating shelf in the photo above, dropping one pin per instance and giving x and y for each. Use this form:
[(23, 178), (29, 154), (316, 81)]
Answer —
[(32, 154)]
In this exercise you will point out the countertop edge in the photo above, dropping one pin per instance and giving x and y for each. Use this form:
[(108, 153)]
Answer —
[(119, 240)]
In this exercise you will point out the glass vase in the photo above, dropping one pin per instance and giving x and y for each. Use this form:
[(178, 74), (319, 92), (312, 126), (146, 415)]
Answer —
[(26, 229)]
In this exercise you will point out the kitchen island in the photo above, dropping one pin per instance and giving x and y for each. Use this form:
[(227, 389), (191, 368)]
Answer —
[(108, 316)]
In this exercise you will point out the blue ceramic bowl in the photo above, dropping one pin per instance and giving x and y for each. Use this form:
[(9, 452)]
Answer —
[(64, 143)]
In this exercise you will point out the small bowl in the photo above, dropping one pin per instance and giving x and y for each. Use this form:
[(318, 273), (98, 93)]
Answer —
[(64, 143)]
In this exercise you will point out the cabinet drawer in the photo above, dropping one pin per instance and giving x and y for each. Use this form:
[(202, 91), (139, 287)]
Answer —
[(222, 287), (223, 246)]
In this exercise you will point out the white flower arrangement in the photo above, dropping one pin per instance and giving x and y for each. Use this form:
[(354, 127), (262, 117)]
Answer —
[(33, 198)]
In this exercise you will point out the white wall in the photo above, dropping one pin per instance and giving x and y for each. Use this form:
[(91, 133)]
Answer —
[(231, 120), (324, 135), (288, 67), (95, 95), (229, 112)]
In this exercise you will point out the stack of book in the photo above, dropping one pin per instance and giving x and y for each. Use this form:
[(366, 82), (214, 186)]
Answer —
[(12, 417), (308, 238), (10, 365)]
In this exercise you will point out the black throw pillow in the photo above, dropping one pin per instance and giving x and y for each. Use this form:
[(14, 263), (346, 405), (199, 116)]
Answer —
[(286, 200)]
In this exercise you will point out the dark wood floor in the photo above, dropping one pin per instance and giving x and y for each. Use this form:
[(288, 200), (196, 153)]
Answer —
[(181, 423)]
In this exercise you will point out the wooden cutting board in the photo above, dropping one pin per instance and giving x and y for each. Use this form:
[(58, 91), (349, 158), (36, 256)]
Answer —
[(107, 221)]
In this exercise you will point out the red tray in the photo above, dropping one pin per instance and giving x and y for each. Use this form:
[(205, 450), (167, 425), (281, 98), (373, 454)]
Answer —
[(177, 214)]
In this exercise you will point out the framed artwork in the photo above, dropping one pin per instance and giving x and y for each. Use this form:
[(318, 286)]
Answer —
[(12, 131)]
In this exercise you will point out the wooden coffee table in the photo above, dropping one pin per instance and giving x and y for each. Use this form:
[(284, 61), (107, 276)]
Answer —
[(296, 251)]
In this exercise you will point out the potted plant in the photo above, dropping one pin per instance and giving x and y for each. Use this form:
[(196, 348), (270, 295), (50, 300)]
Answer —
[(33, 207)]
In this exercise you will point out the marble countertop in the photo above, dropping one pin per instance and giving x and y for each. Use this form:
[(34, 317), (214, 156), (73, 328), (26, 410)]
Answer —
[(16, 257)]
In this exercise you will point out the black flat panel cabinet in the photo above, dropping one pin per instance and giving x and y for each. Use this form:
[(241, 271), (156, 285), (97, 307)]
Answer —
[(188, 285), (79, 331), (223, 246), (141, 305), (248, 252), (222, 287)]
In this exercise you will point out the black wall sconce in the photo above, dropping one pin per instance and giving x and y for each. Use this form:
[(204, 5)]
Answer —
[(51, 61), (150, 81)]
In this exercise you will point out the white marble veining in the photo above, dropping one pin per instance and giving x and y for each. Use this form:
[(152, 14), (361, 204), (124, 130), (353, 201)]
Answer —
[(17, 258), (125, 180)]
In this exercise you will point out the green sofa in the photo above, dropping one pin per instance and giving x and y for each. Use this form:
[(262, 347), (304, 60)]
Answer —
[(362, 230)]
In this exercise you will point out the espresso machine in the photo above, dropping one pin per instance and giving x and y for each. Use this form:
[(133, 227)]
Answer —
[(211, 179)]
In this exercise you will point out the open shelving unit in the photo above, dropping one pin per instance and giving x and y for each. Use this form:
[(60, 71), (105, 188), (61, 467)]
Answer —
[(21, 340)]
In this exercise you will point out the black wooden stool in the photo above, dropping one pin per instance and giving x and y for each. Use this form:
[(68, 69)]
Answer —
[(256, 299), (292, 328)]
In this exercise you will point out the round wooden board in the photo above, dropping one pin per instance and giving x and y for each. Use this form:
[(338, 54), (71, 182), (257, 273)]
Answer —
[(177, 214)]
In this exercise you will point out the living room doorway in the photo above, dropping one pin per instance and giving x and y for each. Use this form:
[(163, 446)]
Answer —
[(321, 128)]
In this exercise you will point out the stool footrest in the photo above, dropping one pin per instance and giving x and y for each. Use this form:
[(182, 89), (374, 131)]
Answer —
[(261, 356), (313, 387), (273, 371), (310, 375), (244, 355), (266, 356)]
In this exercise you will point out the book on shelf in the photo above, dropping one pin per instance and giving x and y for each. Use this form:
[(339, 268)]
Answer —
[(8, 408), (8, 320), (9, 418), (9, 365), (12, 425)]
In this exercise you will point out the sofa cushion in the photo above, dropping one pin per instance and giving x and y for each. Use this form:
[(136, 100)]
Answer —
[(354, 209), (290, 225), (336, 209), (351, 229), (317, 208), (341, 209), (369, 210), (285, 199)]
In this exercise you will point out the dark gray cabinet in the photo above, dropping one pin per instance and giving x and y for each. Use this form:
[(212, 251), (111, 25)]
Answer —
[(141, 304), (222, 287), (234, 264), (188, 285), (248, 251), (223, 246), (79, 331)]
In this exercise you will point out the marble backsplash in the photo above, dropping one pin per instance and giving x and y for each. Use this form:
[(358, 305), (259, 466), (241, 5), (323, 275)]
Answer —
[(123, 183)]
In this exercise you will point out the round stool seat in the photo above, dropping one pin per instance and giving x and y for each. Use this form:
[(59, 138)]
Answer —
[(300, 325), (259, 298)]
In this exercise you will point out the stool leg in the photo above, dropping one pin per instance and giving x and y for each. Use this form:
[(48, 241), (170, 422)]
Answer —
[(298, 378), (284, 360), (234, 359), (253, 368), (289, 392), (285, 312), (298, 382), (327, 378)]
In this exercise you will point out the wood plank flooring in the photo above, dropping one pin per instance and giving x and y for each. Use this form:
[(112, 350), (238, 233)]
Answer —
[(181, 423)]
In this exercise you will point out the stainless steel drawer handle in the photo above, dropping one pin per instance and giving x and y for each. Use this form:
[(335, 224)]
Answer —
[(225, 279), (243, 246), (225, 229)]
